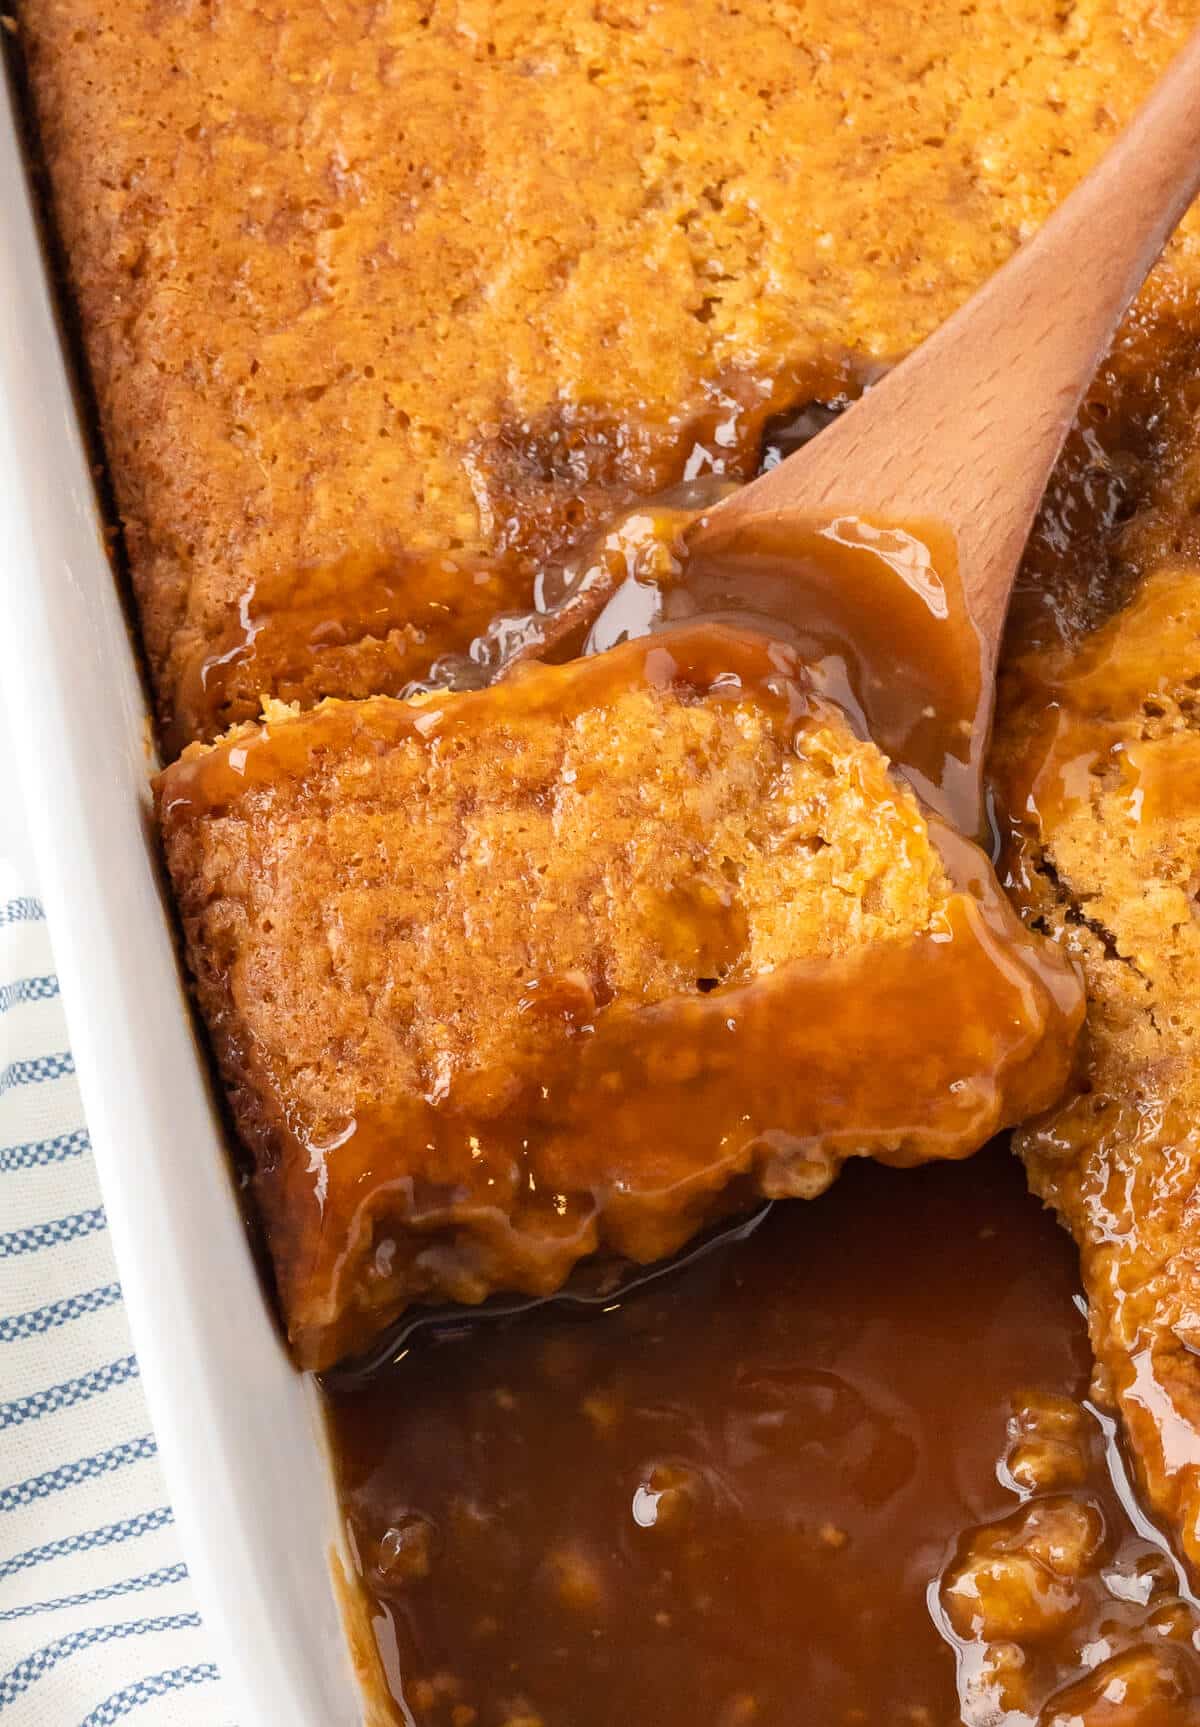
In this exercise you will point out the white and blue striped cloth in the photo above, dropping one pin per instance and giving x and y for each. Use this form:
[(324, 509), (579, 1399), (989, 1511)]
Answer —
[(98, 1623)]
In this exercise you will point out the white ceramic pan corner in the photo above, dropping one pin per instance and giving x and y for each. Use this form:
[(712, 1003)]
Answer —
[(237, 1428)]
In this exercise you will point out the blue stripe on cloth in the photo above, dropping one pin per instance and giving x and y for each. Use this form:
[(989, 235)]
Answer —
[(39, 1319), (108, 1535), (145, 1690), (96, 1602), (70, 1392), (27, 989), (22, 911), (34, 1667), (37, 1070), (70, 1474), (42, 1151), (128, 1586), (52, 1234)]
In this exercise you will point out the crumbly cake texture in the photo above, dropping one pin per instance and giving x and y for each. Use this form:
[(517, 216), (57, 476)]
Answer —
[(1103, 775), (639, 848), (498, 979), (359, 321)]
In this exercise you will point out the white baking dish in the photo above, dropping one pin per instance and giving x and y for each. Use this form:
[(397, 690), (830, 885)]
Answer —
[(238, 1430)]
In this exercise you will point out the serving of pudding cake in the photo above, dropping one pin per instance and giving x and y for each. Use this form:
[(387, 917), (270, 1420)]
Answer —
[(522, 943)]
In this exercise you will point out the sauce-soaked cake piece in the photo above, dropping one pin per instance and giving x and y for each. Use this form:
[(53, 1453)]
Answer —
[(1101, 764), (498, 979), (1094, 750), (386, 301)]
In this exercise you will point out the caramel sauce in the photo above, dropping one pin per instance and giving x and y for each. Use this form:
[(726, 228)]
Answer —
[(379, 620), (354, 628), (876, 611), (844, 1474)]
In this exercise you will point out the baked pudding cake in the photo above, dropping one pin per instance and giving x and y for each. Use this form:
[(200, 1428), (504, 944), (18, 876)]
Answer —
[(722, 924), (390, 309)]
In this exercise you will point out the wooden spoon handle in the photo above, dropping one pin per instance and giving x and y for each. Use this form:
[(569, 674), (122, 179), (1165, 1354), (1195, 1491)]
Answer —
[(968, 428)]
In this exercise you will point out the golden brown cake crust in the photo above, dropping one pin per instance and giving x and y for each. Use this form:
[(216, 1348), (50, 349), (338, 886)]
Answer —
[(497, 979), (360, 325)]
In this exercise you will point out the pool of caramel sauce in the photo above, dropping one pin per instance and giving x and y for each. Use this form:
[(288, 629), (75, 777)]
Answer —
[(843, 1474)]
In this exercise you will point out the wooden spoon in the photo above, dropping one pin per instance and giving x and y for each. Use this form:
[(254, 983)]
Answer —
[(967, 429)]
